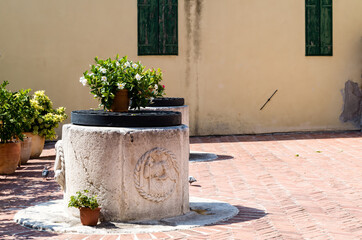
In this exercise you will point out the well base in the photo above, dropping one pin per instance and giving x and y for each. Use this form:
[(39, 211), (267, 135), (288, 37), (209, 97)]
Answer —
[(50, 216)]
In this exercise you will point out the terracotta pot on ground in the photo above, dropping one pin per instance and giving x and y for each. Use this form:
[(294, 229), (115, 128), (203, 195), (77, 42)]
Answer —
[(9, 157), (25, 150), (89, 217), (120, 101), (37, 144)]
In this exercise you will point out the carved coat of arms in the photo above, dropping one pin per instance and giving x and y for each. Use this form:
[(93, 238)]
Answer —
[(156, 174)]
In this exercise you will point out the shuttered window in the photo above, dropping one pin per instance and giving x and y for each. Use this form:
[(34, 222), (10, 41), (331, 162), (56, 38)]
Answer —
[(318, 23), (157, 27)]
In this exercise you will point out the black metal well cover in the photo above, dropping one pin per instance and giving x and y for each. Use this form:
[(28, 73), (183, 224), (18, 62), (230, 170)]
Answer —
[(126, 119), (167, 102)]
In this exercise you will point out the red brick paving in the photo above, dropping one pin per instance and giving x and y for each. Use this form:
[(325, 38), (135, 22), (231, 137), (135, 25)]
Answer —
[(286, 186)]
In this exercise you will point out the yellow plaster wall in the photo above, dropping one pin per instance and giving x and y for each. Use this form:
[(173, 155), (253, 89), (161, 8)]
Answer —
[(233, 55)]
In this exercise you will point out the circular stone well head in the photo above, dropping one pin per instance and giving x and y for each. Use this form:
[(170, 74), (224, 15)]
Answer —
[(141, 118)]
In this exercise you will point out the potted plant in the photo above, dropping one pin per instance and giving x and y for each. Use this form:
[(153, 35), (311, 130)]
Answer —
[(11, 128), (88, 207), (116, 80), (45, 120), (26, 120)]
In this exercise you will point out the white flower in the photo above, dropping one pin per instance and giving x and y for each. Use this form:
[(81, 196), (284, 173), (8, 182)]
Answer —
[(102, 70), (117, 64), (156, 86), (127, 64), (83, 81), (121, 85), (104, 78), (138, 77), (90, 74), (135, 65), (151, 99)]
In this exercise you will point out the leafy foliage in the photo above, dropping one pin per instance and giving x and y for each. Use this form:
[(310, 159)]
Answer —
[(106, 77), (45, 118), (15, 113), (83, 200), (21, 113)]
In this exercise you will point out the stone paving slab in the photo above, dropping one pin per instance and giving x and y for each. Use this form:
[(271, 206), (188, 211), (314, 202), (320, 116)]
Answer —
[(285, 186)]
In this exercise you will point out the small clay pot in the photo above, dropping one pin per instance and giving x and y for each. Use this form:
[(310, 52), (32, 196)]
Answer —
[(120, 101), (89, 217)]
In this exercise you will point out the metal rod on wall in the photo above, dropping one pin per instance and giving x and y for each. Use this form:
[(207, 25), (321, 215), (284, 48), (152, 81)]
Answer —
[(268, 99)]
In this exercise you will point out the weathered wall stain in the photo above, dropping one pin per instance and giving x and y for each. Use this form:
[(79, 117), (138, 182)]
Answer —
[(197, 32), (187, 7), (193, 14), (352, 108)]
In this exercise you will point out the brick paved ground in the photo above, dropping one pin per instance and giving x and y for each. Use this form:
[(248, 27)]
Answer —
[(291, 186)]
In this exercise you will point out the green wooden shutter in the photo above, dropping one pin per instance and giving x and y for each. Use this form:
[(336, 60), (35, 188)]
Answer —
[(318, 22), (312, 23), (168, 33), (148, 27), (326, 27)]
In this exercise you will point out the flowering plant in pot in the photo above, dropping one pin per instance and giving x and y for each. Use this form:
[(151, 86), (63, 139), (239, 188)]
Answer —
[(45, 120), (109, 77), (88, 207), (12, 115)]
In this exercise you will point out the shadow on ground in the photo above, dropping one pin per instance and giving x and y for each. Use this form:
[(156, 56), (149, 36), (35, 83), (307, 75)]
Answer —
[(247, 214), (22, 189), (223, 157), (49, 144), (207, 157)]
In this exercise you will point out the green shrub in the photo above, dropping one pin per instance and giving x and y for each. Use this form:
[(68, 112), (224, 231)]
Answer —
[(21, 113), (83, 200), (45, 118), (15, 113)]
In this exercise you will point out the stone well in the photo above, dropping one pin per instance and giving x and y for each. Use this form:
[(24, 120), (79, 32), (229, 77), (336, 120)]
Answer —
[(137, 173), (184, 110), (171, 104)]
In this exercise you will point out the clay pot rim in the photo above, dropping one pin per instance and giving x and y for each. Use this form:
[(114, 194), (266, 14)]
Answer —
[(14, 141), (95, 209), (25, 137)]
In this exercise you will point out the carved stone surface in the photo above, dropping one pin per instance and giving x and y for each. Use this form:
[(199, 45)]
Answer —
[(59, 166), (156, 174), (137, 173)]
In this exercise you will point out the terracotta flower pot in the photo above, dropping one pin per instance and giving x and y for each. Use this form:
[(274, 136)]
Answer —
[(9, 157), (37, 144), (89, 217), (120, 101), (25, 150)]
